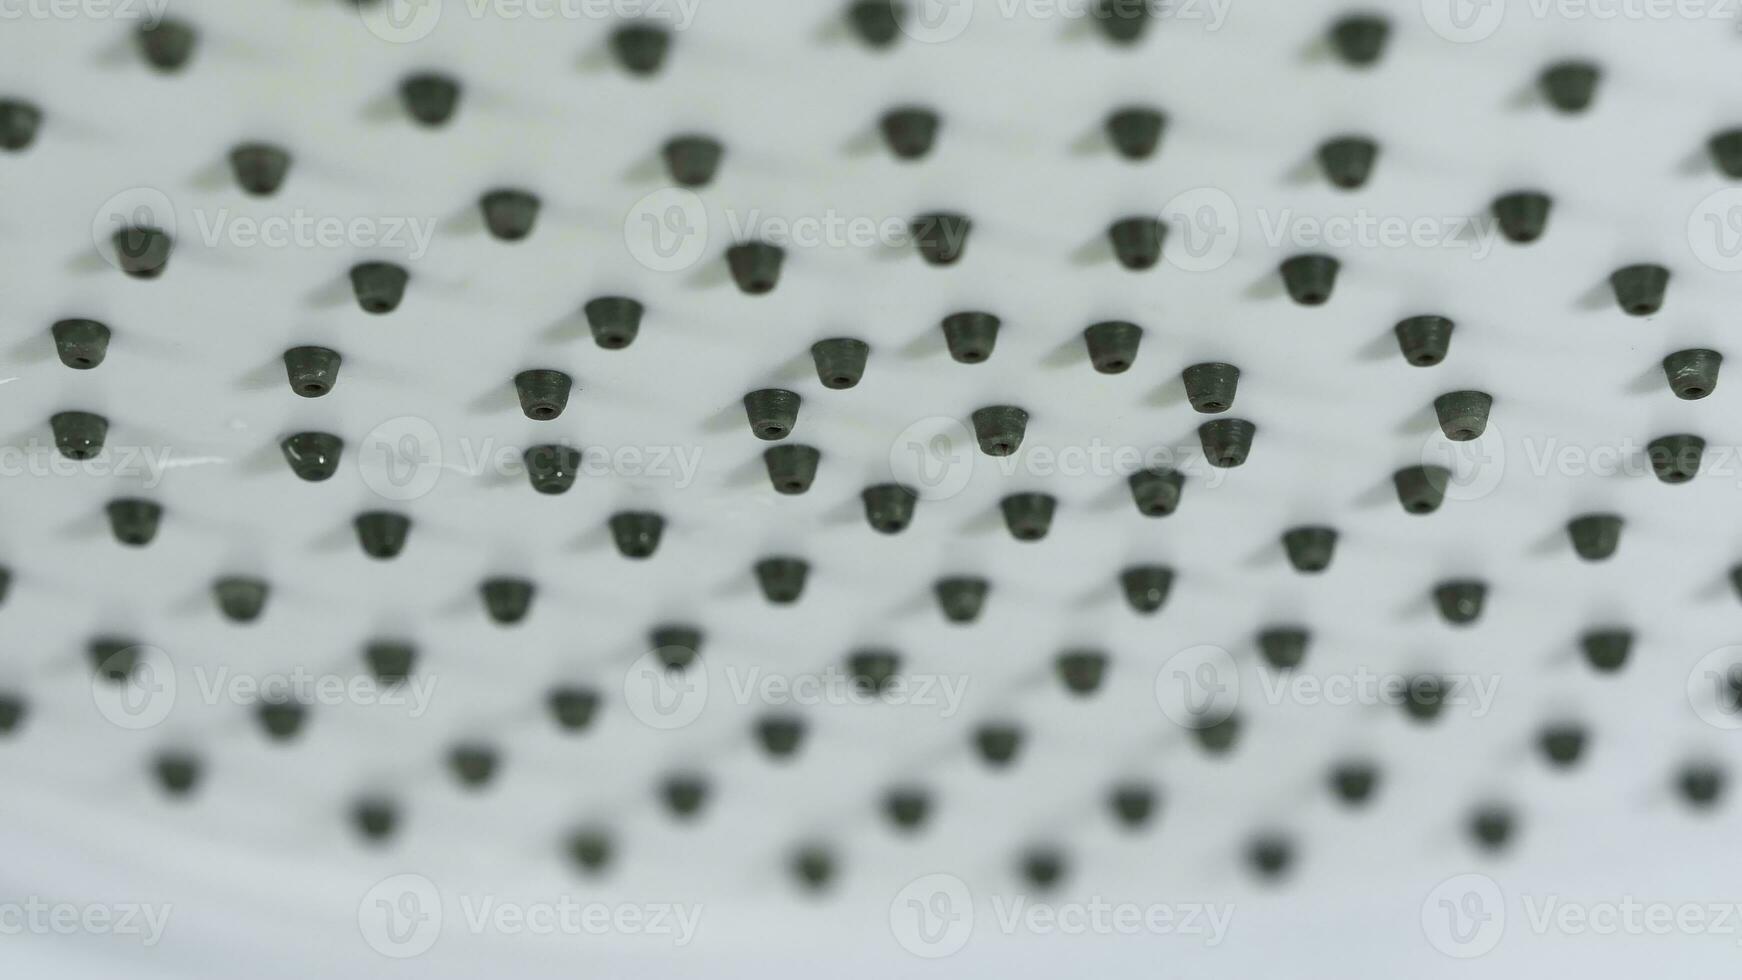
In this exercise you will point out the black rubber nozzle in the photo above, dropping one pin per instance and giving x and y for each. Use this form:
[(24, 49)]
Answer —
[(113, 658), (1595, 536), (1227, 442), (1081, 671), (1491, 826), (1146, 587), (572, 708), (1522, 215), (998, 743), (1211, 386), (1156, 491), (167, 44), (614, 320), (507, 600), (391, 661), (509, 213), (1028, 515), (1137, 241), (260, 168), (677, 646), (1563, 743), (814, 867), (1354, 782), (1359, 39), (1348, 161), (590, 850), (1043, 867), (1424, 340), (1310, 279), (379, 286), (781, 735), (1113, 345), (1284, 647), (909, 131), (1463, 415), (873, 670), (142, 251), (1676, 459), (1271, 856), (773, 412), (81, 344), (473, 764), (876, 22), (1423, 698), (961, 597), (1000, 428), (544, 392), (1460, 602), (907, 807), (692, 160), (1700, 784), (375, 819), (552, 468), (241, 598), (313, 456), (430, 98), (312, 371), (888, 507), (792, 467), (79, 435), (281, 720), (1122, 21), (1607, 650), (1310, 548), (641, 48), (1639, 289), (1219, 737), (941, 236), (755, 266), (1692, 374), (1570, 86), (19, 122), (782, 578), (636, 533), (1726, 148), (1135, 131), (840, 361), (382, 533), (684, 794), (1132, 803), (133, 521), (971, 336), (177, 772), (1421, 489)]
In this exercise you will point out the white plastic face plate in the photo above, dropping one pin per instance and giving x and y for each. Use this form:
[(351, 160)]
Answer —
[(260, 869)]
